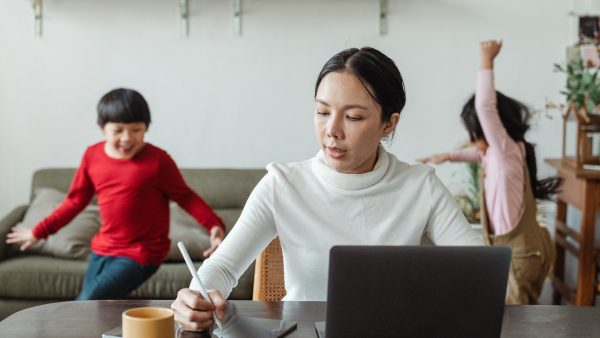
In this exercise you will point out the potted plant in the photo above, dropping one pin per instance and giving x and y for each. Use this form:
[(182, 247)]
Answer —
[(468, 198), (582, 94), (582, 90)]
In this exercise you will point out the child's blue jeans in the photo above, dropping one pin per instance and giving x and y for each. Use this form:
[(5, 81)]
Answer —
[(113, 277)]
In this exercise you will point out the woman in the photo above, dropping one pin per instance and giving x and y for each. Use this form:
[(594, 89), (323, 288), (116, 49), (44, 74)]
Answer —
[(351, 192)]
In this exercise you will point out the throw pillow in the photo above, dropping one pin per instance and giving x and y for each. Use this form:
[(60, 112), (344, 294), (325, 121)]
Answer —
[(71, 241), (186, 229)]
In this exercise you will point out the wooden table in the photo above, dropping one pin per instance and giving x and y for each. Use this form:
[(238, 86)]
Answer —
[(91, 318), (581, 189)]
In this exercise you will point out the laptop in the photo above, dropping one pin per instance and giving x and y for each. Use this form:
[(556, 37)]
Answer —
[(415, 291)]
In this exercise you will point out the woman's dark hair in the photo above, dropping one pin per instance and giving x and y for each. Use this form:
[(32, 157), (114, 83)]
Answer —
[(515, 119), (377, 73), (123, 105)]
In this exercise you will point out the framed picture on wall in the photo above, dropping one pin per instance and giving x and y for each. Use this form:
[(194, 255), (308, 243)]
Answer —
[(589, 30)]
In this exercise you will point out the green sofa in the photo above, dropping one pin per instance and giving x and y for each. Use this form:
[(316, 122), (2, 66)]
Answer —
[(29, 279)]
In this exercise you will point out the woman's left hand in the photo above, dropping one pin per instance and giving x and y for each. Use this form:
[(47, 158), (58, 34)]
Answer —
[(216, 238)]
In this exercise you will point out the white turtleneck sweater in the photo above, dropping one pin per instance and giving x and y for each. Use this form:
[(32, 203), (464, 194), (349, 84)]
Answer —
[(312, 207)]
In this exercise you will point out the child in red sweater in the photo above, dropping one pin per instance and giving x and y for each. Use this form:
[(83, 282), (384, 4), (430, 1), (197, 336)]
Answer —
[(134, 182)]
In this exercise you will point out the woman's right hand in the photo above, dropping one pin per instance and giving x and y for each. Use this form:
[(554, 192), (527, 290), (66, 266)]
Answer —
[(22, 236), (194, 313), (435, 159)]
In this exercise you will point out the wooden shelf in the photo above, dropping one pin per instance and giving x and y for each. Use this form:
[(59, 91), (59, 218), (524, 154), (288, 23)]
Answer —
[(579, 173), (581, 189)]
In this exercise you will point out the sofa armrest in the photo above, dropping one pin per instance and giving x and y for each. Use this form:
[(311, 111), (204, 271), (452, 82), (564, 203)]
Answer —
[(10, 220)]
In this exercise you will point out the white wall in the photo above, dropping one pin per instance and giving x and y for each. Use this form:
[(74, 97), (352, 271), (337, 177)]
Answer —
[(219, 100)]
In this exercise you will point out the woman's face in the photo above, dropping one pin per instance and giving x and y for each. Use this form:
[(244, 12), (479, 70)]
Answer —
[(348, 123)]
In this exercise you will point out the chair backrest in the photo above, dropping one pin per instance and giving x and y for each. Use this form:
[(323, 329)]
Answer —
[(268, 274)]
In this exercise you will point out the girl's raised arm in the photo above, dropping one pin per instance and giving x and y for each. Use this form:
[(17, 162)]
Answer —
[(485, 98)]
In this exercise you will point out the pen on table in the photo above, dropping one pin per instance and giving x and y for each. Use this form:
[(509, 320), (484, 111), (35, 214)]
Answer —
[(288, 330), (190, 265)]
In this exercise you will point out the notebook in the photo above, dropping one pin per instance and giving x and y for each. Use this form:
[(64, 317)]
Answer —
[(415, 291)]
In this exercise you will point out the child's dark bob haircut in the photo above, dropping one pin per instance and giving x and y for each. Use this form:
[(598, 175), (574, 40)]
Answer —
[(123, 105)]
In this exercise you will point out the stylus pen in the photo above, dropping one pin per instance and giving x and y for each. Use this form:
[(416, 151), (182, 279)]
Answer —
[(287, 331), (190, 265)]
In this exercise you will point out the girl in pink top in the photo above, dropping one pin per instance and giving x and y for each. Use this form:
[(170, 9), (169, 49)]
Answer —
[(497, 125)]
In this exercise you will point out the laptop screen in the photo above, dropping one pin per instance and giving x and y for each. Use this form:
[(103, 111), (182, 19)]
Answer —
[(416, 291)]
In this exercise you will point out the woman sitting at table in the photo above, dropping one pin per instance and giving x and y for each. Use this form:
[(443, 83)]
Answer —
[(352, 192)]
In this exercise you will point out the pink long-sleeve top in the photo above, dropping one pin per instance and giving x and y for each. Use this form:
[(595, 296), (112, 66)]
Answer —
[(503, 178)]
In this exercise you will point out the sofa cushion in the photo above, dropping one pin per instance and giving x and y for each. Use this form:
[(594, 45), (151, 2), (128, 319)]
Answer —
[(184, 228), (223, 188), (229, 216), (71, 241), (42, 277)]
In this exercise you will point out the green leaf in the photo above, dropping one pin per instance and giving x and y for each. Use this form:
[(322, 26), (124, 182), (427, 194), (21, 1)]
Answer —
[(582, 85), (558, 68)]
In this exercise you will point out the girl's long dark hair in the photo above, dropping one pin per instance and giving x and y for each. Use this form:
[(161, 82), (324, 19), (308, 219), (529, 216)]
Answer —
[(515, 119)]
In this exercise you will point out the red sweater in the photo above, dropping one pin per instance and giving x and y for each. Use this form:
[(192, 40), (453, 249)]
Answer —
[(133, 198)]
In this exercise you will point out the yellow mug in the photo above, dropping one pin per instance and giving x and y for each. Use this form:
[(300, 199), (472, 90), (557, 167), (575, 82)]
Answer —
[(148, 322)]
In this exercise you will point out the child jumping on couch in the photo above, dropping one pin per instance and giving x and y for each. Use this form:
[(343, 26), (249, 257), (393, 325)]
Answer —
[(134, 182)]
